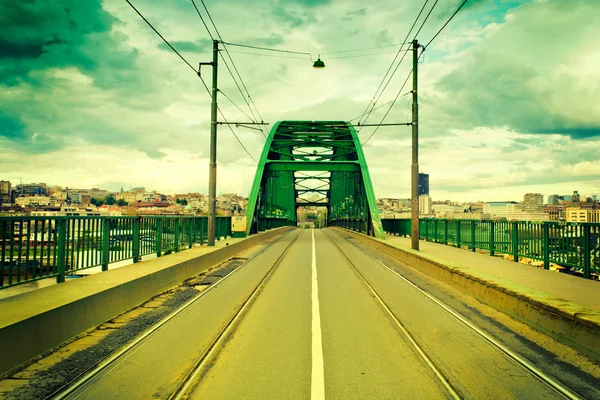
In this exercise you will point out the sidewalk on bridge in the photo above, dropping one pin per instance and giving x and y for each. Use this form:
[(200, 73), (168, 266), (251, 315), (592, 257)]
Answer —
[(542, 284)]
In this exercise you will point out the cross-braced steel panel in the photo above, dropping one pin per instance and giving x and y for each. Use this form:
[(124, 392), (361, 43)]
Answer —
[(313, 163)]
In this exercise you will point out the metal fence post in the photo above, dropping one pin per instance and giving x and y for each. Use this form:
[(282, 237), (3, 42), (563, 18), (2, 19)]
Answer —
[(545, 245), (473, 236), (105, 243), (176, 238), (136, 239), (62, 249), (515, 241), (191, 232), (492, 237), (446, 231), (586, 251), (159, 237), (458, 233)]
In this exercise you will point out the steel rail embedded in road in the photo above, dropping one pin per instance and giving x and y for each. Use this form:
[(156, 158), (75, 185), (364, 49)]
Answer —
[(79, 382), (420, 351), (191, 379), (536, 372)]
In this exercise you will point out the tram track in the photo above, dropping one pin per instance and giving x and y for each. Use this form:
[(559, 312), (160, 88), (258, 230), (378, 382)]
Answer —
[(76, 386), (193, 377), (428, 360)]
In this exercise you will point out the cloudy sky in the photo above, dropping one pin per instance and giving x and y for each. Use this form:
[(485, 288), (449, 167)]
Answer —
[(509, 92)]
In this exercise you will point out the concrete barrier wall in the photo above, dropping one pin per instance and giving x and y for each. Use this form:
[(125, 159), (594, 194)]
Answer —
[(36, 333), (566, 322)]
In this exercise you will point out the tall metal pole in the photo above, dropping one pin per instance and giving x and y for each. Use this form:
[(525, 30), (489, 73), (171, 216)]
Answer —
[(212, 171), (415, 153)]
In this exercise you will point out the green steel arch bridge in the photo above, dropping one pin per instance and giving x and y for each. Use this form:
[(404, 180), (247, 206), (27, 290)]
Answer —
[(313, 163)]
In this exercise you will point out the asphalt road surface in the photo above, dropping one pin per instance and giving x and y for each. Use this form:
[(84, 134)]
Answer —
[(315, 330)]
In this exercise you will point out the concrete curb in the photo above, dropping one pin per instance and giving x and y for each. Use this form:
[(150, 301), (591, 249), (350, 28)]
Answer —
[(565, 321), (100, 297)]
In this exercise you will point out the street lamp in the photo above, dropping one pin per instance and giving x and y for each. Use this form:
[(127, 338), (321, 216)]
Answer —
[(319, 63)]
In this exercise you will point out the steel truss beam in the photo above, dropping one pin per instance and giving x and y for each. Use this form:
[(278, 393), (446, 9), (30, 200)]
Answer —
[(295, 147)]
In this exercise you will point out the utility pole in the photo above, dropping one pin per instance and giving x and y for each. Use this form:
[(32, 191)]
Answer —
[(212, 171), (415, 153)]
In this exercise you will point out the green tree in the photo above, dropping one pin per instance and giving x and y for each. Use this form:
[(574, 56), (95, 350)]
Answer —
[(183, 202), (96, 203), (109, 200), (122, 203)]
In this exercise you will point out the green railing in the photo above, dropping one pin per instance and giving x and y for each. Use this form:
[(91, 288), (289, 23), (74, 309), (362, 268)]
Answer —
[(359, 225), (266, 223), (575, 246), (33, 248)]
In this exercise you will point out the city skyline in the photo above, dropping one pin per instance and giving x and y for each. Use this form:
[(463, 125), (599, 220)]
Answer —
[(119, 107), (521, 198)]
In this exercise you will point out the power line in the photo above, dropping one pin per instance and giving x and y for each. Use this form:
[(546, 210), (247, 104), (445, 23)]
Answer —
[(202, 19), (389, 109), (447, 22), (376, 108), (267, 48), (374, 101), (397, 66), (227, 122), (424, 47), (161, 36), (404, 55), (238, 107), (236, 70), (266, 55), (426, 18), (193, 69), (365, 48), (362, 55)]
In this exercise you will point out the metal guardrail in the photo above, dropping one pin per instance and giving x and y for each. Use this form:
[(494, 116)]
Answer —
[(33, 248), (574, 246), (359, 225), (266, 223)]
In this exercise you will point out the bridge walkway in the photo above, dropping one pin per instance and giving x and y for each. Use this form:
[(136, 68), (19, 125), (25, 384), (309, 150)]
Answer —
[(546, 285)]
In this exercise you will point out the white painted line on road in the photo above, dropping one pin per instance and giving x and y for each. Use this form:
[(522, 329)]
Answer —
[(317, 384)]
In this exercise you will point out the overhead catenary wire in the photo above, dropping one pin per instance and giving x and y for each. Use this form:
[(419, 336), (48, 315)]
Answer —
[(253, 118), (376, 108), (447, 22), (389, 109), (161, 36), (424, 47), (249, 99), (193, 69), (364, 48), (376, 98), (399, 63), (228, 124)]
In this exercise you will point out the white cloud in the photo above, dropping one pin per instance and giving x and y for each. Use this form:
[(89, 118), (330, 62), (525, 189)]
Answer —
[(471, 148)]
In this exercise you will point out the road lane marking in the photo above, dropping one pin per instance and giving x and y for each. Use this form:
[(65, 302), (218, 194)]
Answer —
[(317, 384)]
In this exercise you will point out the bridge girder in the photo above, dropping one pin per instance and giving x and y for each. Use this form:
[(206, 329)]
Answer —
[(312, 158)]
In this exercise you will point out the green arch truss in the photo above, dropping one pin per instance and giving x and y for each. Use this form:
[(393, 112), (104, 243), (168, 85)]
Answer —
[(308, 164)]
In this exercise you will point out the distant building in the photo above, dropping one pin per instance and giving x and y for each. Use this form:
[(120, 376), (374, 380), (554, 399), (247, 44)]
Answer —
[(554, 199), (81, 198), (579, 214), (555, 212), (533, 203), (499, 209), (5, 192), (33, 189), (423, 184), (576, 198), (425, 204), (33, 201)]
